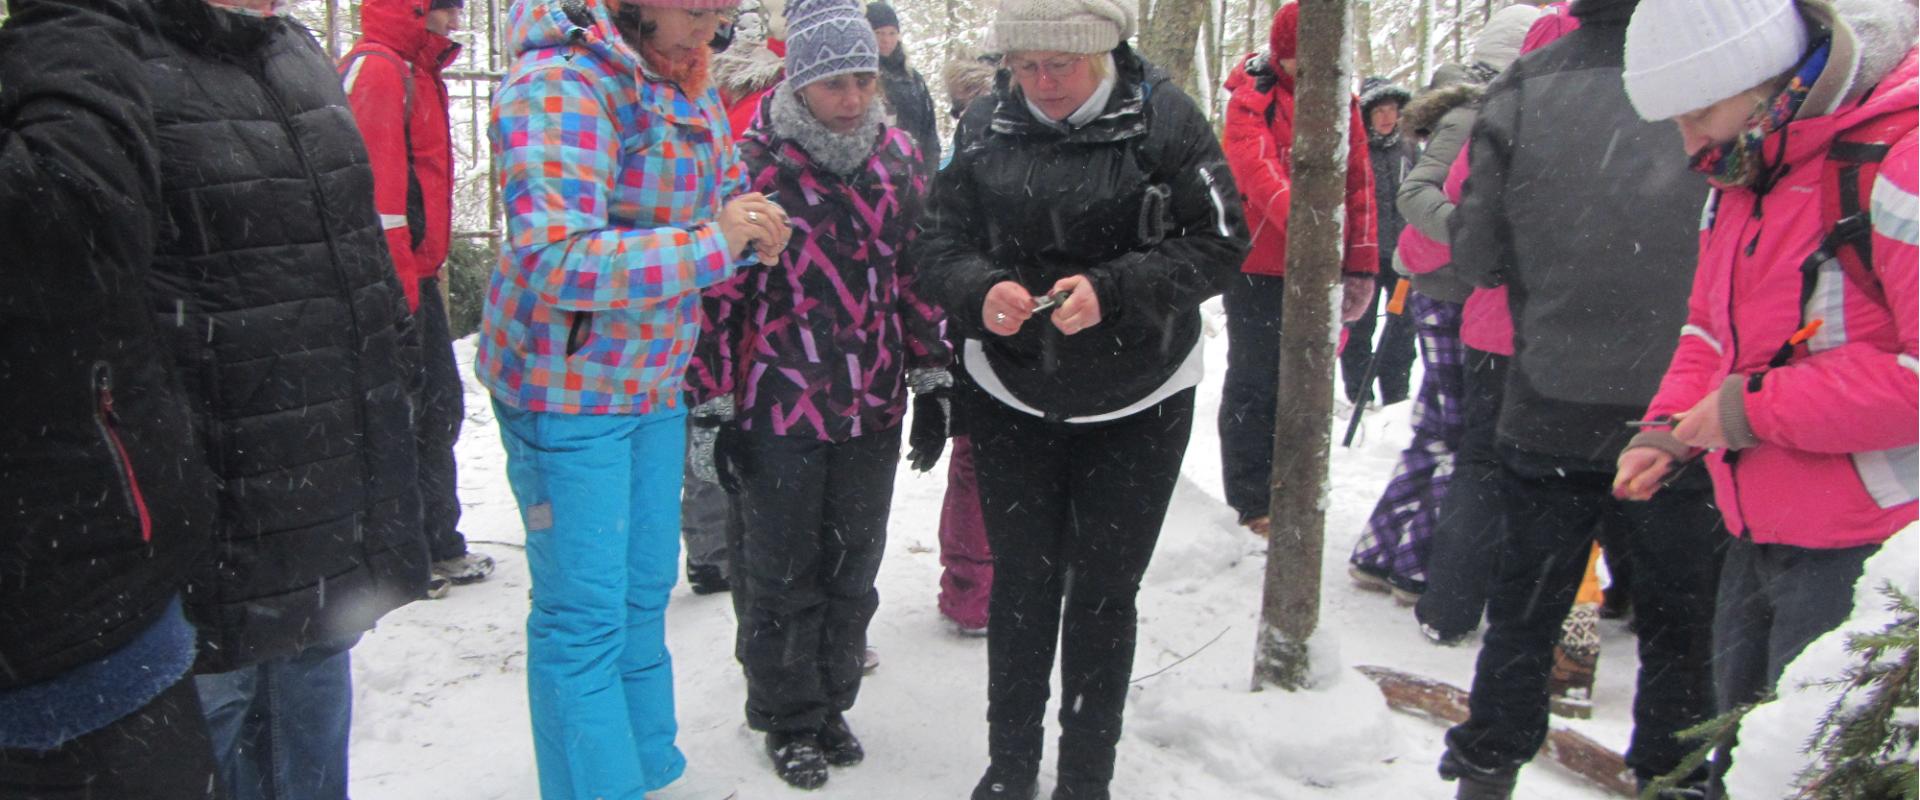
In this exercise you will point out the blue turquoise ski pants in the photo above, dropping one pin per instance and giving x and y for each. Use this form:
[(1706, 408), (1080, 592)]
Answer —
[(600, 497)]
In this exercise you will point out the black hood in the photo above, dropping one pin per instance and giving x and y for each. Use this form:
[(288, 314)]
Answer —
[(1603, 12)]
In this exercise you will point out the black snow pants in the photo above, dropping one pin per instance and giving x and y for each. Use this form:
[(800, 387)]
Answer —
[(814, 528), (1554, 506), (1395, 349), (1467, 536), (439, 407), (1072, 513), (1250, 395)]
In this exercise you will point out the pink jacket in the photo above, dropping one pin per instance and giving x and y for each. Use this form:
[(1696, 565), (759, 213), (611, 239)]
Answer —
[(1485, 323), (1826, 445)]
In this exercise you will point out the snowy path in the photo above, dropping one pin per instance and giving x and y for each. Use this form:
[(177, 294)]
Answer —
[(441, 695)]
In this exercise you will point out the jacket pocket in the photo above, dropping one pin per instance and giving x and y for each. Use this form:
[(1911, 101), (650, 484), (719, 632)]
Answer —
[(580, 332), (108, 423)]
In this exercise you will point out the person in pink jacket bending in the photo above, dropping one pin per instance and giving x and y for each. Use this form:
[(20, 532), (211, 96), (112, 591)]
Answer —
[(1795, 374)]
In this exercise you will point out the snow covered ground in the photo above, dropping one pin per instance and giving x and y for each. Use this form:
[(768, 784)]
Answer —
[(440, 709)]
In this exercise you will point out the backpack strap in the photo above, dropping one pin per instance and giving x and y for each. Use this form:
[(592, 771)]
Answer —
[(1855, 164), (416, 194)]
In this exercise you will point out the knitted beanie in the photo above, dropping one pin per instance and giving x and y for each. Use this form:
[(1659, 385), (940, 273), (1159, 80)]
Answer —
[(1283, 42), (827, 38), (1064, 26), (881, 15), (1685, 55), (438, 5), (1498, 44)]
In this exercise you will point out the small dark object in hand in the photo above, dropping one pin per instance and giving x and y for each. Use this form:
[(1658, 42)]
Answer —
[(1045, 302)]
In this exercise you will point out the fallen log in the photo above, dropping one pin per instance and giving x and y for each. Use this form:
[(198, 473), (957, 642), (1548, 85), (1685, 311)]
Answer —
[(1444, 702)]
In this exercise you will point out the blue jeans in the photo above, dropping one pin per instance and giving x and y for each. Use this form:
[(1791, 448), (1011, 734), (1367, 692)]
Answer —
[(279, 728), (600, 497)]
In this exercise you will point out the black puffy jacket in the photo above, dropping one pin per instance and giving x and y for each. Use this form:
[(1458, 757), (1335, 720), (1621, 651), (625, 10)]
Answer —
[(105, 502), (279, 305), (1140, 200)]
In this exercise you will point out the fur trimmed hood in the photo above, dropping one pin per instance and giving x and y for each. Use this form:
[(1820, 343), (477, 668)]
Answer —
[(1426, 110), (748, 68), (966, 79)]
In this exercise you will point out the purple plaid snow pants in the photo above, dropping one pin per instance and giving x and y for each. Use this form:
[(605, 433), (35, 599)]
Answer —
[(1398, 534)]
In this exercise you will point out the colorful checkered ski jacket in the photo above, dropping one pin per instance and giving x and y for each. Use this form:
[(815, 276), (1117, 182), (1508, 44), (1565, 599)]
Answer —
[(613, 181), (818, 345)]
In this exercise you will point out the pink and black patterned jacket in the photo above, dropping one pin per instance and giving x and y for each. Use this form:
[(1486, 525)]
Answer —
[(819, 345)]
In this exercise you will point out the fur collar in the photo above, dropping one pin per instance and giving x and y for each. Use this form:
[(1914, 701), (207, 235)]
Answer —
[(1425, 111), (746, 69), (843, 154)]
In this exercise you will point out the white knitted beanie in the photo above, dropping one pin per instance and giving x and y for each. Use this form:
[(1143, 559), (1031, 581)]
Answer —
[(1685, 55), (1065, 26)]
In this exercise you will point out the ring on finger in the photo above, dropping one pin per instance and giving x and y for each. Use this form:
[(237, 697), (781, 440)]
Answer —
[(753, 216), (1000, 318)]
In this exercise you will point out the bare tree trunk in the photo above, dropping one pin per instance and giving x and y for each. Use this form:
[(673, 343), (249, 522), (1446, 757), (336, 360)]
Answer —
[(1423, 39), (1459, 30), (1168, 37), (1302, 438), (1363, 36)]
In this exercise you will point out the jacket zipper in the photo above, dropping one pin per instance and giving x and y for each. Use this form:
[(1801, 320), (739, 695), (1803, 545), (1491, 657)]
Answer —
[(108, 422), (259, 75), (1732, 457)]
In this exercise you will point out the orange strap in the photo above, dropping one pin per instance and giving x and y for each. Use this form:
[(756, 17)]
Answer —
[(1398, 305)]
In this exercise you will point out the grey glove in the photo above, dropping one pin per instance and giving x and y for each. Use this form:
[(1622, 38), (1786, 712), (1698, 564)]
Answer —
[(708, 417)]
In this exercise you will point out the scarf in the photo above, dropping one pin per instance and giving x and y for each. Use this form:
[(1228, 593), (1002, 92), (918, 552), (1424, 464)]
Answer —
[(1743, 161), (843, 154)]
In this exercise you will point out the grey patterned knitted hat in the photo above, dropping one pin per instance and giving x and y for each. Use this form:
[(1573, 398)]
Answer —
[(827, 38), (1066, 26)]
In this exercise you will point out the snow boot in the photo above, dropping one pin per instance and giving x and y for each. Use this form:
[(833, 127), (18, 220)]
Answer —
[(705, 579), (1477, 782), (1443, 638), (1406, 591), (837, 739), (1071, 790), (694, 785), (1006, 784), (798, 758), (464, 569)]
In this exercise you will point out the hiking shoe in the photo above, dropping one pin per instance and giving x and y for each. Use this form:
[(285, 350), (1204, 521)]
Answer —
[(695, 785), (1476, 782), (1369, 579), (707, 579), (869, 661), (1406, 592), (1069, 790), (464, 569), (1000, 784), (798, 759), (1442, 638), (438, 586), (1259, 525), (837, 739)]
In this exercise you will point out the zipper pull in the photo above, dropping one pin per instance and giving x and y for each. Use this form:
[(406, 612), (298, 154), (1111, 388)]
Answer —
[(103, 386)]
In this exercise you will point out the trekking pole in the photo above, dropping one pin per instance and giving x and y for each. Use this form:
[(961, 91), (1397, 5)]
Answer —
[(1396, 312)]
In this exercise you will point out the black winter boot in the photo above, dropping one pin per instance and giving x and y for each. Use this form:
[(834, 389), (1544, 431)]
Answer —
[(707, 579), (836, 737), (1477, 782), (1003, 784), (798, 759), (1076, 790)]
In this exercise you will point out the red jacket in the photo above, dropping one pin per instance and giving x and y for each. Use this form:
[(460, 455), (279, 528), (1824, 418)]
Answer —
[(396, 51), (742, 110), (1259, 147)]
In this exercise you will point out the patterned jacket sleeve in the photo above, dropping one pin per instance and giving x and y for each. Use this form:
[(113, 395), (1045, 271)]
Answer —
[(924, 322), (723, 306), (560, 154)]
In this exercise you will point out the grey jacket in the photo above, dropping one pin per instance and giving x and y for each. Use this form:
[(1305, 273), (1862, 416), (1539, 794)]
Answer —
[(1447, 115)]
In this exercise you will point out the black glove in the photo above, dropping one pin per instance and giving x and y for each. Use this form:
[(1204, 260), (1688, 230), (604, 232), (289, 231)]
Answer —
[(932, 407)]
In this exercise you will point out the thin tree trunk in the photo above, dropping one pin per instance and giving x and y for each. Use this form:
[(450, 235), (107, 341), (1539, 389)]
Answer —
[(1423, 39), (1167, 38), (1290, 608), (1363, 36)]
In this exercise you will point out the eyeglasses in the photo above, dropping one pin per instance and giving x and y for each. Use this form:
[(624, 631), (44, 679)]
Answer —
[(1055, 68)]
